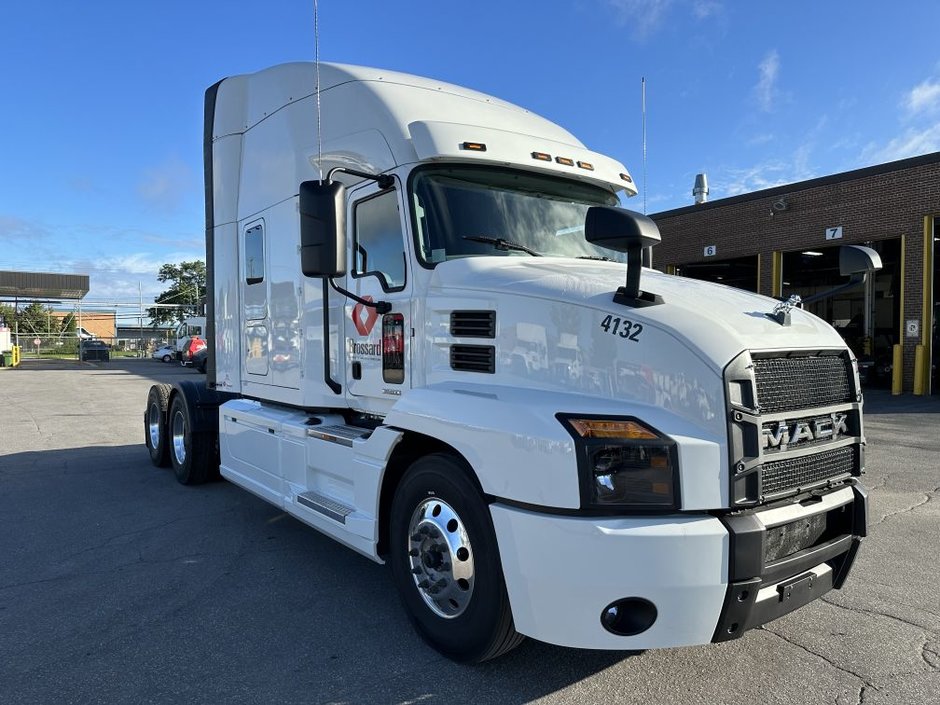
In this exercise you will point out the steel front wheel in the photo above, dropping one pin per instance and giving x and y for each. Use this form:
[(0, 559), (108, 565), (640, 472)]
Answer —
[(445, 562), (155, 431)]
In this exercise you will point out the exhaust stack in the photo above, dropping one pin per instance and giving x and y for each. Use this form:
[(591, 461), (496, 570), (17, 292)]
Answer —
[(700, 190)]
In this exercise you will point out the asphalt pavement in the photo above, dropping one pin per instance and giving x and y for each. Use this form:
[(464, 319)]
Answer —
[(119, 585)]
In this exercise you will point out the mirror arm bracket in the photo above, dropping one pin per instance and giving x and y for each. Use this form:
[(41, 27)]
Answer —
[(380, 307), (383, 180)]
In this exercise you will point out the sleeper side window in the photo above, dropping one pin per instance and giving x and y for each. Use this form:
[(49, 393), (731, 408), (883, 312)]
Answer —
[(254, 255), (379, 245)]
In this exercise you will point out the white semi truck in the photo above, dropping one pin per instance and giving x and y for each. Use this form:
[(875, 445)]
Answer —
[(189, 329), (395, 300)]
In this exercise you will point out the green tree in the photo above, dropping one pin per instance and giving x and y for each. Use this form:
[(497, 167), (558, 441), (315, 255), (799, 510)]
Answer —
[(36, 319), (7, 316), (68, 324), (187, 290)]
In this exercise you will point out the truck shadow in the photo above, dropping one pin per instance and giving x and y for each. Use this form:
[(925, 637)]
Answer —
[(213, 570), (147, 368)]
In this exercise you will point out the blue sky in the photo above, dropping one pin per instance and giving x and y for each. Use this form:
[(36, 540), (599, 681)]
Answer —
[(101, 120)]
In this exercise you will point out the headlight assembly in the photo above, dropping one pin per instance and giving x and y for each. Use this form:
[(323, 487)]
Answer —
[(624, 463)]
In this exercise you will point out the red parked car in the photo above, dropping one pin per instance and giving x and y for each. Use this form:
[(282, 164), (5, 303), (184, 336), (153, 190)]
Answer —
[(194, 345)]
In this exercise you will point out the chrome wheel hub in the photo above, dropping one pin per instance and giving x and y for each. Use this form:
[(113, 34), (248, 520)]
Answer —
[(179, 437), (441, 558), (153, 425)]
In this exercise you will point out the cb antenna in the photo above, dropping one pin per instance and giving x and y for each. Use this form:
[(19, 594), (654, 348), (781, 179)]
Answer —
[(316, 45), (643, 108)]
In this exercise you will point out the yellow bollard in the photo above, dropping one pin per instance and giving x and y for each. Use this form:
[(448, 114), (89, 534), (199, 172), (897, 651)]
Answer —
[(16, 356), (919, 377), (897, 370)]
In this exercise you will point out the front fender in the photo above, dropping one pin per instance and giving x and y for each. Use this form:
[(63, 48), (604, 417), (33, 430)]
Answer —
[(521, 452)]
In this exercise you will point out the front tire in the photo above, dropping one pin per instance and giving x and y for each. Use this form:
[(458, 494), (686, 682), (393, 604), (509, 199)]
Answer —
[(155, 433), (167, 358), (445, 562), (190, 453)]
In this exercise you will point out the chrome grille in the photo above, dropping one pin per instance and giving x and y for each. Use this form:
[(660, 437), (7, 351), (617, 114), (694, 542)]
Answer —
[(783, 476), (793, 383), (795, 423)]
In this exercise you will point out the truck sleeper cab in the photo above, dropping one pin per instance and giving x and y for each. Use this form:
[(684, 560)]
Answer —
[(444, 353)]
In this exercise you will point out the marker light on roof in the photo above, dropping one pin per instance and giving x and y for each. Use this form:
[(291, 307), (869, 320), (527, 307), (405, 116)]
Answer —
[(565, 161), (542, 156), (474, 146), (586, 165), (627, 178)]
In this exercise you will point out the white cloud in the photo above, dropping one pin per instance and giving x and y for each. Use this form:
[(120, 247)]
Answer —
[(704, 9), (911, 143), (923, 98), (166, 185), (20, 231), (760, 139), (766, 88), (731, 181), (643, 16)]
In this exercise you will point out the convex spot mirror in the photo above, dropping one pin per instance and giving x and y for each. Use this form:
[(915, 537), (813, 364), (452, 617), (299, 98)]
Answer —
[(322, 229)]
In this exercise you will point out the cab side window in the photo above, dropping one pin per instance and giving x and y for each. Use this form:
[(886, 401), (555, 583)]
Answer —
[(379, 244)]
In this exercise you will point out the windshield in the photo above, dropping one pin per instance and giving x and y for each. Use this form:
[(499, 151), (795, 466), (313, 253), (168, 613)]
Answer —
[(475, 211)]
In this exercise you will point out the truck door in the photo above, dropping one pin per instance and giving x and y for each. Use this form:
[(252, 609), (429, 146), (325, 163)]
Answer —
[(378, 346)]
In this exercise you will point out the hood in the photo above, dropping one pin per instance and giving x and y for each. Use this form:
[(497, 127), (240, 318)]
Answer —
[(716, 322)]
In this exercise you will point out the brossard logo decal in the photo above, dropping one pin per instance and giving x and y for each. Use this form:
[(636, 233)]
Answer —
[(788, 433), (364, 317), (365, 349)]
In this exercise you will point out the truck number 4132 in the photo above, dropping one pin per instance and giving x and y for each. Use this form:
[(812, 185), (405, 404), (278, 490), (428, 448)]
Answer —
[(622, 327)]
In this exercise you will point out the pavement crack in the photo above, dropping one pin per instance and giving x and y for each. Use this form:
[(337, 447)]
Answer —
[(863, 679), (930, 656), (926, 498), (861, 610)]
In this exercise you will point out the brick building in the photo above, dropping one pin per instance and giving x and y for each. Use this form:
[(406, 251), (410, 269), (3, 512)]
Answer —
[(100, 324), (785, 240)]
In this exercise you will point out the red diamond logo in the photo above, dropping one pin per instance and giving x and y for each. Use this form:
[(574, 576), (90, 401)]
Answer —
[(364, 317)]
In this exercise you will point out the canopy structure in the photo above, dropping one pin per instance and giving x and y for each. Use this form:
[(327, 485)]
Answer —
[(42, 285)]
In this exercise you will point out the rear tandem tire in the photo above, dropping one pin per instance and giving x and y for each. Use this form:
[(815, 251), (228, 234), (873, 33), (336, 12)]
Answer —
[(190, 453), (155, 425), (445, 562)]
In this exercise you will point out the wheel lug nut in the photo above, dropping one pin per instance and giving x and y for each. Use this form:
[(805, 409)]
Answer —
[(417, 570), (414, 552), (417, 537), (423, 584)]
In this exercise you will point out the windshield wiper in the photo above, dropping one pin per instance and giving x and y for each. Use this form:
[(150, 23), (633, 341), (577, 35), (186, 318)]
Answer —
[(597, 257), (501, 244)]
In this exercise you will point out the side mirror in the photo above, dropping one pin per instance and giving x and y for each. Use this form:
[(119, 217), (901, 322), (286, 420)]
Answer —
[(624, 231), (855, 262), (619, 229), (856, 259), (322, 229)]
